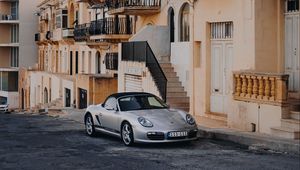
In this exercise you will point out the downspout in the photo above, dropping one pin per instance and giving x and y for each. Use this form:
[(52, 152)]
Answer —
[(192, 3)]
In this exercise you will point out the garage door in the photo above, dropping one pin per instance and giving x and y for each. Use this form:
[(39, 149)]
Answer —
[(133, 83)]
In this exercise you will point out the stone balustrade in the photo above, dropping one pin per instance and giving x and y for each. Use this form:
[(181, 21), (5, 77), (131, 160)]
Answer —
[(260, 87)]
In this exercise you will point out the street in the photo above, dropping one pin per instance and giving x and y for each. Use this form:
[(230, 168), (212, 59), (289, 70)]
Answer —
[(41, 142)]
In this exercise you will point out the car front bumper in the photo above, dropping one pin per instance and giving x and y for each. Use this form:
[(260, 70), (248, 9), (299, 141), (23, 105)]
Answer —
[(145, 135), (3, 109)]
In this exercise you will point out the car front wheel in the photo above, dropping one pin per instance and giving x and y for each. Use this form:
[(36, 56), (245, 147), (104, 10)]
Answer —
[(127, 134), (89, 125)]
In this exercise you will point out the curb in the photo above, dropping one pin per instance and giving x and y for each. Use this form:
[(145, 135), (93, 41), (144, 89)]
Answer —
[(252, 140)]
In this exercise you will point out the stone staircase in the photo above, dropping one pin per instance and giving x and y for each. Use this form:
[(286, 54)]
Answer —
[(290, 123), (176, 95)]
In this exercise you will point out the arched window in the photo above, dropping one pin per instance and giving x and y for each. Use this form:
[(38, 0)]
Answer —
[(184, 23), (171, 24), (98, 63), (45, 96)]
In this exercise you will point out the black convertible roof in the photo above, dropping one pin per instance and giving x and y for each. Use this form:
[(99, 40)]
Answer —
[(118, 95)]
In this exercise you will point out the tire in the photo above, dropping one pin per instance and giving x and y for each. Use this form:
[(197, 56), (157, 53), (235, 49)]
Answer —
[(89, 125), (127, 134)]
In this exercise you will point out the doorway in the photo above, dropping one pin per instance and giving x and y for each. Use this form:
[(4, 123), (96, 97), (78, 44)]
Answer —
[(82, 98), (45, 96), (292, 46), (98, 63), (71, 63), (221, 66), (67, 97), (76, 62)]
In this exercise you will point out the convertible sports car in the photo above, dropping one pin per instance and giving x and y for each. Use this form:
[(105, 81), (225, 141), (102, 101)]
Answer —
[(139, 118)]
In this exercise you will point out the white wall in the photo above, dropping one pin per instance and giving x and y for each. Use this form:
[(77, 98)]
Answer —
[(27, 28), (181, 55)]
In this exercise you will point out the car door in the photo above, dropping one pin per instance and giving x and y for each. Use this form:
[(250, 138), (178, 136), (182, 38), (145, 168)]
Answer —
[(111, 116)]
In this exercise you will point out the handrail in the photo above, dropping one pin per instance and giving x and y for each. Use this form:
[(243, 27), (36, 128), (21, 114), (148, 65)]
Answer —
[(140, 51)]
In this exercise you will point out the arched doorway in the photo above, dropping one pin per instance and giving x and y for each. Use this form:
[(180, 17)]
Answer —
[(171, 24), (184, 23), (98, 63), (45, 96)]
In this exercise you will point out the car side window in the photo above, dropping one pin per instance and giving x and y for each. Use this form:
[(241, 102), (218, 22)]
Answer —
[(111, 104)]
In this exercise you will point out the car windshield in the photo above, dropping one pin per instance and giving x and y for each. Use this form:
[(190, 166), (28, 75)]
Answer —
[(141, 103), (3, 100)]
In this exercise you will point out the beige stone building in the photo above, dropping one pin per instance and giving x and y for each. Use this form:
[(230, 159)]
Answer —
[(234, 61), (78, 59), (17, 47)]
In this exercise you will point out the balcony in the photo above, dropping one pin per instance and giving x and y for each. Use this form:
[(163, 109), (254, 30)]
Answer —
[(9, 19), (260, 87), (130, 7), (111, 30), (81, 32), (68, 33)]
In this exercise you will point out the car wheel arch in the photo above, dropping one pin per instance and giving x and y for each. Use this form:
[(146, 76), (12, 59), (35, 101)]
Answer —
[(88, 114)]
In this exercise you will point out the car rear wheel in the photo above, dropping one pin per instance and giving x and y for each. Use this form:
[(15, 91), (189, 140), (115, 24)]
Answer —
[(127, 134), (89, 125)]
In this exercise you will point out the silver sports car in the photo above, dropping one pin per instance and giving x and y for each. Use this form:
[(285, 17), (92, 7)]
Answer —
[(139, 117)]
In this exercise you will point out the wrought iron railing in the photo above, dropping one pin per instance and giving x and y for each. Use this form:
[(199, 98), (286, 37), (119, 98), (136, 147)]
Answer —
[(111, 61), (81, 32), (142, 52), (111, 25), (132, 3)]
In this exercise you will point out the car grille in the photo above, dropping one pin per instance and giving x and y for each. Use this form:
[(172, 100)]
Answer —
[(156, 135)]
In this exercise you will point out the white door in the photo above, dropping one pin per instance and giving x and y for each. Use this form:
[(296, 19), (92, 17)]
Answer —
[(221, 76), (292, 46), (133, 83)]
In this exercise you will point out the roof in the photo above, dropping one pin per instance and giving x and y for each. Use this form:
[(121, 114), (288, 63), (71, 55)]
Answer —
[(118, 95)]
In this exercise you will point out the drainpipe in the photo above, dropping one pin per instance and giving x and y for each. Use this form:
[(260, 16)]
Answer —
[(192, 3)]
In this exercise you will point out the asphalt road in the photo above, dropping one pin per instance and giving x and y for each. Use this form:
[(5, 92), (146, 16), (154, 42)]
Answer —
[(41, 142)]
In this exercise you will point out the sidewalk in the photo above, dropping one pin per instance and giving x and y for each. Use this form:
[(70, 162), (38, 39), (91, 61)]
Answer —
[(213, 129)]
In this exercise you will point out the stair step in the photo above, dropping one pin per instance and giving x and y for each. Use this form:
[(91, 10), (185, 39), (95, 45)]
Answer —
[(285, 132), (173, 79), (186, 109), (172, 105), (295, 115), (290, 123), (170, 74), (174, 84), (178, 99), (168, 69), (217, 116), (176, 94), (165, 65), (175, 89)]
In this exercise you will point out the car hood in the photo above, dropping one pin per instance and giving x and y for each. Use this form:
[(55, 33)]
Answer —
[(163, 118)]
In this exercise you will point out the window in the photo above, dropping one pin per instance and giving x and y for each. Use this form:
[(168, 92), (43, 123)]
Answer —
[(111, 104), (292, 5), (14, 33), (184, 23), (14, 57), (111, 61), (14, 10), (82, 62), (62, 18), (221, 30)]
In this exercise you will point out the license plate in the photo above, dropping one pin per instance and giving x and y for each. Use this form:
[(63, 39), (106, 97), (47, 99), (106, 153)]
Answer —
[(178, 134)]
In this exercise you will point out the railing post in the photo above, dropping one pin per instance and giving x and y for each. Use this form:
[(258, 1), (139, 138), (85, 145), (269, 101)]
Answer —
[(281, 88), (255, 87), (244, 86), (267, 88), (260, 87), (249, 88), (238, 85)]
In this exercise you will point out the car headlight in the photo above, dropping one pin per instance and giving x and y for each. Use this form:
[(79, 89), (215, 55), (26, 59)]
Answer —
[(145, 122), (190, 120)]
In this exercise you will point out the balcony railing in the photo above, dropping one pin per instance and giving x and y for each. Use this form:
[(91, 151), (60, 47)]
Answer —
[(68, 33), (142, 52), (7, 17), (133, 7), (81, 32), (260, 87), (109, 26)]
